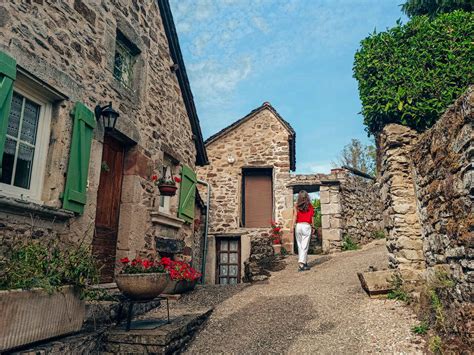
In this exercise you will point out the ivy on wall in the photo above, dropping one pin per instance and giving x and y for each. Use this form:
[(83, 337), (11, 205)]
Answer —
[(412, 72)]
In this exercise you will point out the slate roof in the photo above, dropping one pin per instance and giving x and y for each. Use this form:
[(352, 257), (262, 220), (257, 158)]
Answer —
[(176, 55), (265, 106)]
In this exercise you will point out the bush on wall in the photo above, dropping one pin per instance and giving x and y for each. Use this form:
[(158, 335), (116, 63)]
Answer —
[(411, 73)]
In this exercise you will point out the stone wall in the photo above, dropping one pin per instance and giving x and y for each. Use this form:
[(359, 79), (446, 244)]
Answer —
[(361, 209), (443, 159), (69, 46)]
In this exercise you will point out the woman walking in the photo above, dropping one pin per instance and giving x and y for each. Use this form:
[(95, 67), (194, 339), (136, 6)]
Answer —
[(303, 217)]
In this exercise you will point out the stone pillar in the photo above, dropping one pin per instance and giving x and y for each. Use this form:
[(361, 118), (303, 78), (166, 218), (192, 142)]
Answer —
[(401, 220), (331, 217)]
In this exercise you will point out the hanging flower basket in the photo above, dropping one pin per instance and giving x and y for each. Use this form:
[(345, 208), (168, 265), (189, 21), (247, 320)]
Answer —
[(167, 189)]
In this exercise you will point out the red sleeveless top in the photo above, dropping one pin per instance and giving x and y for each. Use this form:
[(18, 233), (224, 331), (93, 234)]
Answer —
[(305, 217)]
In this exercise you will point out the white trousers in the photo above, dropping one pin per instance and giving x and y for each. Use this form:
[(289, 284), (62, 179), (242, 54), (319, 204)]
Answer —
[(303, 235)]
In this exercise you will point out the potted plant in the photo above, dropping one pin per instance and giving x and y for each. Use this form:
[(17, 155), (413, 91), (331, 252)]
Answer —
[(42, 290), (166, 185), (276, 233), (142, 279), (183, 277)]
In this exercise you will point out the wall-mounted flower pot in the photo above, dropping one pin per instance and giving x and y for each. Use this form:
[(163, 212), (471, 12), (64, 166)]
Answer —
[(179, 286), (277, 248), (28, 316), (142, 286), (167, 189)]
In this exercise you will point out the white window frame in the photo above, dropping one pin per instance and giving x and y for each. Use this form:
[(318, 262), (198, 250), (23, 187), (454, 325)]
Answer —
[(165, 199), (33, 194)]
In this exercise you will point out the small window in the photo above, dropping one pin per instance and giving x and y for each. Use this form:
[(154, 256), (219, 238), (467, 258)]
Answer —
[(26, 146), (257, 199), (166, 172), (125, 59), (228, 261)]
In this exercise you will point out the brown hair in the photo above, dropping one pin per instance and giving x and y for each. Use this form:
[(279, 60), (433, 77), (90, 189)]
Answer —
[(303, 201)]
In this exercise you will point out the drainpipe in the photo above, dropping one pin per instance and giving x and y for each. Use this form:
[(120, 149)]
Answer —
[(206, 229)]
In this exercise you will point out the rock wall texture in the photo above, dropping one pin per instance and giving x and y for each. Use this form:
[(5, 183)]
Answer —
[(361, 209), (70, 46), (443, 160), (401, 219)]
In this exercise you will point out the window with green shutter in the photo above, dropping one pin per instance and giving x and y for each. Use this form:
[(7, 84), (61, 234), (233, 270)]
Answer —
[(75, 191), (7, 77), (187, 194)]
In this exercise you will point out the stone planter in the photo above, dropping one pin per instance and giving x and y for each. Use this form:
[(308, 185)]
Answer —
[(277, 248), (167, 189), (142, 286), (28, 316), (179, 287)]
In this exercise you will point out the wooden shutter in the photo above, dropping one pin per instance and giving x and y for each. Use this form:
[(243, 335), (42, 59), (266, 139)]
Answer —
[(187, 194), (7, 77), (74, 196), (258, 198)]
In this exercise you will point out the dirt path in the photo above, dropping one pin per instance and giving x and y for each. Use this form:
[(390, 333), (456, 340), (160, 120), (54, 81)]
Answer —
[(321, 311)]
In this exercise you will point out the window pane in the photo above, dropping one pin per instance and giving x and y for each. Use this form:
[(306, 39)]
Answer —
[(24, 165), (224, 258), (8, 161), (234, 258), (224, 245), (234, 245), (233, 270), (223, 281), (233, 281), (223, 270), (29, 125), (15, 113)]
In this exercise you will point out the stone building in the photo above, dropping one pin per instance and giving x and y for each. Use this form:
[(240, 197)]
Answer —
[(69, 175), (250, 163)]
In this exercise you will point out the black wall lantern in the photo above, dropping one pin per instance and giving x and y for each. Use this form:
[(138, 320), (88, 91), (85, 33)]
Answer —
[(108, 114)]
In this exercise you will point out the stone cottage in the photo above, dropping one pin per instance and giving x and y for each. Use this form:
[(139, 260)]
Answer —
[(69, 171), (250, 163)]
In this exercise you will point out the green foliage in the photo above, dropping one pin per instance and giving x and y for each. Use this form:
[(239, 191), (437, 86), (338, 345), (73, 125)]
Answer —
[(317, 213), (438, 309), (358, 156), (436, 345), (398, 293), (348, 243), (283, 251), (47, 265), (433, 8), (420, 329), (411, 73), (380, 234)]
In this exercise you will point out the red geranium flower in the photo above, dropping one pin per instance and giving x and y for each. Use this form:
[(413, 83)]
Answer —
[(177, 179), (154, 177), (125, 260)]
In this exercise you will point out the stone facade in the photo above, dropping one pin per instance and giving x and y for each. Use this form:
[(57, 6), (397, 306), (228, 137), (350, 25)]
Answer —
[(69, 47), (361, 209), (427, 189), (260, 140)]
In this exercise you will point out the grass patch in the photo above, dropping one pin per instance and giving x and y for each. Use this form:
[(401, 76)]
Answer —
[(420, 329), (380, 234), (398, 293), (436, 344), (349, 244)]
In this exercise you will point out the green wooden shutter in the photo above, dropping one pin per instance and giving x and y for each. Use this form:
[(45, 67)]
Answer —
[(7, 77), (74, 196), (187, 194)]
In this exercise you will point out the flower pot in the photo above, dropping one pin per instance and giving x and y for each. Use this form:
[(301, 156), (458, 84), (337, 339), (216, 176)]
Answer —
[(28, 316), (277, 248), (142, 286), (179, 286), (167, 189)]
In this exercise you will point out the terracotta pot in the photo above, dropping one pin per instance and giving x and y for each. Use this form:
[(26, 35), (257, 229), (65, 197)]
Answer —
[(178, 287), (277, 248), (167, 189), (28, 316), (142, 286)]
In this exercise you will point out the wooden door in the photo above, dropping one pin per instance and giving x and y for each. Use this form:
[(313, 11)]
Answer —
[(104, 243), (228, 261), (258, 198)]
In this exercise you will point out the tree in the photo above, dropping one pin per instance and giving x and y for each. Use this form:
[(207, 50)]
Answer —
[(411, 73), (358, 156), (433, 8)]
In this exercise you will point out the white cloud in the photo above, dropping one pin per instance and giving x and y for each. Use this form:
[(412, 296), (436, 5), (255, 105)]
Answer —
[(315, 167)]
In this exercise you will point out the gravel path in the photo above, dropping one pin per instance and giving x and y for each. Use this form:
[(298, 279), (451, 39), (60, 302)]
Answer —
[(321, 311)]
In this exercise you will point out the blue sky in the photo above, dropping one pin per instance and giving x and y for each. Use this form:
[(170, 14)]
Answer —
[(296, 54)]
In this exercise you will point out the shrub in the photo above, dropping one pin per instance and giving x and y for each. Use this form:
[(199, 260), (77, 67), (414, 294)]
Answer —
[(47, 265), (435, 7), (420, 329), (348, 243), (411, 73), (398, 293), (380, 234)]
